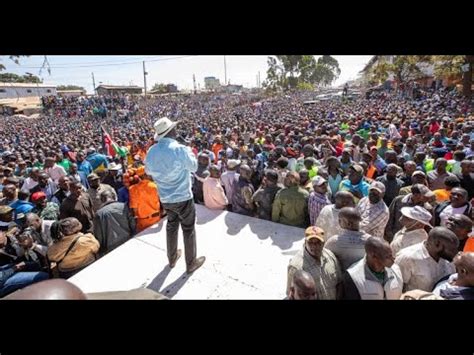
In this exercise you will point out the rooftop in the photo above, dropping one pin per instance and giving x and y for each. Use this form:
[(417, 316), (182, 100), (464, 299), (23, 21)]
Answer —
[(26, 85)]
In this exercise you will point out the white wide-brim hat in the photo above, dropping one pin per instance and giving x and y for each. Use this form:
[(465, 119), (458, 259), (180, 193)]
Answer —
[(162, 127), (417, 213)]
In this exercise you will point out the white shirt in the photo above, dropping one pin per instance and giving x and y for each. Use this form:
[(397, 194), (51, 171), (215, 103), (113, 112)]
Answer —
[(55, 172), (448, 212), (328, 221), (28, 184), (404, 239), (419, 270)]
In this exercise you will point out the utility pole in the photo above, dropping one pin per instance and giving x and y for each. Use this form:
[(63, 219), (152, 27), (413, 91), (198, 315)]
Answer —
[(93, 84), (144, 77), (259, 82), (194, 83), (225, 72)]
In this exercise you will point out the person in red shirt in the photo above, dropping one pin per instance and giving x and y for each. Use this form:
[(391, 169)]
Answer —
[(434, 126), (216, 148)]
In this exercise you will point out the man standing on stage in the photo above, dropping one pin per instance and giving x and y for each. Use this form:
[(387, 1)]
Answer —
[(171, 164)]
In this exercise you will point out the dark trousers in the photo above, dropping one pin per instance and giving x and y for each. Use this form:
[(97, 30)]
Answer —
[(184, 213)]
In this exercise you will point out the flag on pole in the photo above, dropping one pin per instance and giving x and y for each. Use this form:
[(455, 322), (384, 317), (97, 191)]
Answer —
[(110, 147)]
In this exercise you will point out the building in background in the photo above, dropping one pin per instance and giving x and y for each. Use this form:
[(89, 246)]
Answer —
[(211, 83), (25, 90)]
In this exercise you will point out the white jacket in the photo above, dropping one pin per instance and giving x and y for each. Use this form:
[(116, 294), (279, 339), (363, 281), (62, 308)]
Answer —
[(369, 286)]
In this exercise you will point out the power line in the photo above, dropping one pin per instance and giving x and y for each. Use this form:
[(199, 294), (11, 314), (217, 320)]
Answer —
[(107, 65)]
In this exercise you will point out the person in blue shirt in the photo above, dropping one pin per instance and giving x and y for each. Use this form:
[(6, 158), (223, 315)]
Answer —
[(21, 205), (96, 160), (355, 183), (83, 165), (170, 164)]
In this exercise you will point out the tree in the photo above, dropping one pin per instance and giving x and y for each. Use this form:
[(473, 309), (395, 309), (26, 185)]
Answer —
[(161, 88), (404, 68), (287, 72), (450, 66), (14, 78), (70, 87)]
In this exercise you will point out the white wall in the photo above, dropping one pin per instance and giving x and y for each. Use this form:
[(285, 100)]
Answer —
[(13, 92)]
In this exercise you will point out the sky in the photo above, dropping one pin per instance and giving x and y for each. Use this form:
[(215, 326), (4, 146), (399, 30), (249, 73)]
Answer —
[(176, 69)]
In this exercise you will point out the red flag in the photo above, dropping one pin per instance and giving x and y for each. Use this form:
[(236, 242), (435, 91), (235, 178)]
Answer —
[(107, 143)]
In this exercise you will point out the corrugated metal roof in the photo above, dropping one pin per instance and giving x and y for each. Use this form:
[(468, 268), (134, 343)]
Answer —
[(27, 85)]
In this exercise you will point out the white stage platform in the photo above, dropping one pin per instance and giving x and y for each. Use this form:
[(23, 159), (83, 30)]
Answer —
[(246, 258)]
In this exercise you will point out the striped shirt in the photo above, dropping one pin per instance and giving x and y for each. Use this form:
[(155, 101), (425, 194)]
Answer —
[(316, 202), (374, 217)]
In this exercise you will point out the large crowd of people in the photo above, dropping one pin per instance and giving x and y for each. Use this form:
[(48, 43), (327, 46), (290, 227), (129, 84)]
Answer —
[(382, 185)]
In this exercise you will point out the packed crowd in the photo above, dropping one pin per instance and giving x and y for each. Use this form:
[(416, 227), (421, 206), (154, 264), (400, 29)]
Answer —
[(382, 185)]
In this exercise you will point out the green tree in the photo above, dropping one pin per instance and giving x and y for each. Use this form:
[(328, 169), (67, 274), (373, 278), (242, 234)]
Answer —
[(14, 78), (450, 66), (287, 72), (162, 88), (70, 87), (404, 68)]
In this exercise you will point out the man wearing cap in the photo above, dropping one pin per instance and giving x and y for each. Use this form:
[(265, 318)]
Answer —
[(391, 182), (374, 277), (263, 198), (414, 220), (229, 178), (46, 210), (96, 187), (171, 164), (318, 199), (418, 177), (6, 218), (355, 183), (319, 262), (113, 178), (373, 210)]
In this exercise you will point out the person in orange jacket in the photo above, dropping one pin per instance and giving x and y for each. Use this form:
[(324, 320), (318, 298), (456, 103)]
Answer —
[(144, 200)]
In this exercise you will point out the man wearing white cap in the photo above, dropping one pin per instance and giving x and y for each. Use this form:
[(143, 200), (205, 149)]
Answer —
[(318, 198), (373, 211), (413, 219), (229, 178), (171, 164)]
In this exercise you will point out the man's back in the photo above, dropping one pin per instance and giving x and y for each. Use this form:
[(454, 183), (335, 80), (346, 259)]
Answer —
[(349, 247), (170, 165), (291, 206), (113, 225)]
